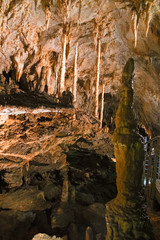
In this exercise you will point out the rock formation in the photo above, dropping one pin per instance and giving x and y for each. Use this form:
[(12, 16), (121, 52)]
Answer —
[(51, 166), (125, 214), (56, 170), (38, 42)]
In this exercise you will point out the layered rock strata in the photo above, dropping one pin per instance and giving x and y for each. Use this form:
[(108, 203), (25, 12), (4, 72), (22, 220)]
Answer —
[(53, 166)]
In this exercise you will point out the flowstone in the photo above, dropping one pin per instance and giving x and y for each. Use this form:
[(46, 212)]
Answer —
[(126, 216)]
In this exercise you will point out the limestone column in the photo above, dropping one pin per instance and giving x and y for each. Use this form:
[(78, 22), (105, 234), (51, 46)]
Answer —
[(63, 67), (126, 216)]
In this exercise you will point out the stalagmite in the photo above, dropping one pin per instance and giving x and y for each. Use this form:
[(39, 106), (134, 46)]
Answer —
[(63, 67), (148, 17), (89, 233), (75, 75), (64, 196), (102, 105), (126, 216), (97, 77)]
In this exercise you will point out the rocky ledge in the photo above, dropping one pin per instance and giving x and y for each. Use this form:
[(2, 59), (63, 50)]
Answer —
[(53, 166)]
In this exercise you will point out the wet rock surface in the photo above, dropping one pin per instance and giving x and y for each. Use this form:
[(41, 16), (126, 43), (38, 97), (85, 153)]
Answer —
[(54, 170)]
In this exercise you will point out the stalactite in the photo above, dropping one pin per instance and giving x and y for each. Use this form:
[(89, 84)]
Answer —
[(38, 70), (75, 75), (65, 43), (40, 65), (135, 22), (19, 64), (63, 67), (102, 105), (57, 73), (79, 11), (96, 31), (35, 1), (97, 77), (48, 16), (148, 17), (49, 73), (68, 4), (4, 6)]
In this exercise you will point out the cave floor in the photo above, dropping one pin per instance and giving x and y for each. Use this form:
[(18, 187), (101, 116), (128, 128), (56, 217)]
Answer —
[(23, 103)]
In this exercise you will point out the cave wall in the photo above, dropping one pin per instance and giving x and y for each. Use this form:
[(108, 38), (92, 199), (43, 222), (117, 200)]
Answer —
[(31, 45)]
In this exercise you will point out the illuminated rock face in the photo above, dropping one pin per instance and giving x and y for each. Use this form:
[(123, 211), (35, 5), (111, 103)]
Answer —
[(125, 214), (35, 44)]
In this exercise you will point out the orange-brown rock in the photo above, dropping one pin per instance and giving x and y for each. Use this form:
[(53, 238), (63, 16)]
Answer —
[(33, 52), (51, 166), (125, 215)]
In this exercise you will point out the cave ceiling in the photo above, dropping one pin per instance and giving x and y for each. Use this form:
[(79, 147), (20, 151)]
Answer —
[(31, 39)]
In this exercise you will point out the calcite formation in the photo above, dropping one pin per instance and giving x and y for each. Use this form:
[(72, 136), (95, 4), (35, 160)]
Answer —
[(53, 156), (125, 215), (47, 46)]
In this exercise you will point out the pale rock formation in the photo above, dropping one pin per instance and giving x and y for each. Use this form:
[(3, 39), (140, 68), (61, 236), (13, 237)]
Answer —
[(43, 236), (35, 28)]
